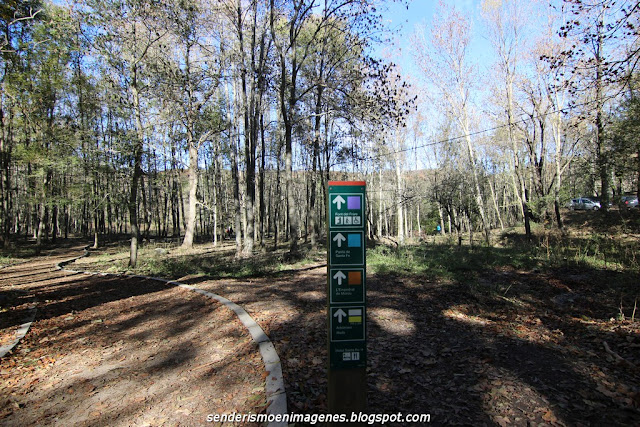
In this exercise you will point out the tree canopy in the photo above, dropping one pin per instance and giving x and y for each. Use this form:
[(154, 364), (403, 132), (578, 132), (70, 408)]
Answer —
[(187, 120)]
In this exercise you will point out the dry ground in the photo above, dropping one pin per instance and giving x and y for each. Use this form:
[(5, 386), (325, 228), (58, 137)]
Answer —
[(547, 351), (120, 352), (467, 360)]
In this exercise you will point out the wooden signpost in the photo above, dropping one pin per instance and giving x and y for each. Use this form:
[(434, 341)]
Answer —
[(346, 290)]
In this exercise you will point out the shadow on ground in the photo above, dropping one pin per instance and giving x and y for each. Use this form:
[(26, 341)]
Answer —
[(495, 340), (471, 336), (122, 351)]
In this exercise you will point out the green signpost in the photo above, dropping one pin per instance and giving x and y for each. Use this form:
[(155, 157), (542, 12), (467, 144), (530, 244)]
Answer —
[(346, 289)]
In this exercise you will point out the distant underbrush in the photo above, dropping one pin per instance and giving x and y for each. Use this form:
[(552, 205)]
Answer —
[(171, 261), (19, 252), (442, 258), (591, 275), (600, 250)]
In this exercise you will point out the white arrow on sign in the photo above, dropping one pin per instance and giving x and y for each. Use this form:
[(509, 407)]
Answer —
[(339, 238), (340, 276), (339, 201), (340, 314)]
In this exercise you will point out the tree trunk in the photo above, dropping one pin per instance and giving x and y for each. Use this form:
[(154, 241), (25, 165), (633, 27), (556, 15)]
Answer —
[(399, 201), (476, 183), (292, 218), (600, 137), (5, 177), (235, 175), (276, 214), (380, 213), (495, 205), (249, 128), (193, 189), (314, 161), (261, 178), (137, 172), (214, 197)]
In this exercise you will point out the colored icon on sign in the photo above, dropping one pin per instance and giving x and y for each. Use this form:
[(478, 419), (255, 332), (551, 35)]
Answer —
[(353, 241), (354, 278), (353, 202), (355, 316)]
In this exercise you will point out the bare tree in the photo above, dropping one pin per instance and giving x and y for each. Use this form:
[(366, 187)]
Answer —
[(443, 58), (507, 23), (125, 46)]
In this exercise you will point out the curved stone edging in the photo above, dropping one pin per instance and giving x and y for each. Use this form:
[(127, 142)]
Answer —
[(24, 328), (274, 385), (20, 333)]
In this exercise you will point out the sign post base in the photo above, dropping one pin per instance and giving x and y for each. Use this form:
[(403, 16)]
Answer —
[(347, 391)]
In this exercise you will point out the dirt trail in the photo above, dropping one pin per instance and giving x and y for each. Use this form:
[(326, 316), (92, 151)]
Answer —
[(458, 351), (466, 359), (117, 351)]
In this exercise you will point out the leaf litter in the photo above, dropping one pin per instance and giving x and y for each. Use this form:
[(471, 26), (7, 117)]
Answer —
[(536, 356), (115, 351)]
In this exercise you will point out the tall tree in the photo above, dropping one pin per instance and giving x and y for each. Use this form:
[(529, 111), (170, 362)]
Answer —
[(626, 130), (192, 74), (605, 35), (125, 33), (506, 22), (16, 20), (251, 31), (42, 108), (296, 33), (291, 55), (448, 49)]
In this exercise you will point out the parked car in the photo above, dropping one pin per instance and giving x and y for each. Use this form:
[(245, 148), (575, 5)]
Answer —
[(584, 203), (597, 200), (629, 201)]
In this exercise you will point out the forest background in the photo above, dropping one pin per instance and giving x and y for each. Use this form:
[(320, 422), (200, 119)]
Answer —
[(186, 119)]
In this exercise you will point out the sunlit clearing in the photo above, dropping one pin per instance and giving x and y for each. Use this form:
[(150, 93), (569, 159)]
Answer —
[(455, 314), (525, 327), (313, 296), (500, 389), (392, 321)]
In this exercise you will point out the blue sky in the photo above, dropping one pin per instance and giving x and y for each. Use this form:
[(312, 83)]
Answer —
[(403, 22), (421, 12)]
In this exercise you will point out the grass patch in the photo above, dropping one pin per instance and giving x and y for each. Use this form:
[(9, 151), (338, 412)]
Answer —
[(16, 254), (587, 250), (7, 260), (172, 262), (445, 261)]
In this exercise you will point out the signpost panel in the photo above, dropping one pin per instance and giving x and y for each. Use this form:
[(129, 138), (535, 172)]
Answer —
[(346, 290)]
